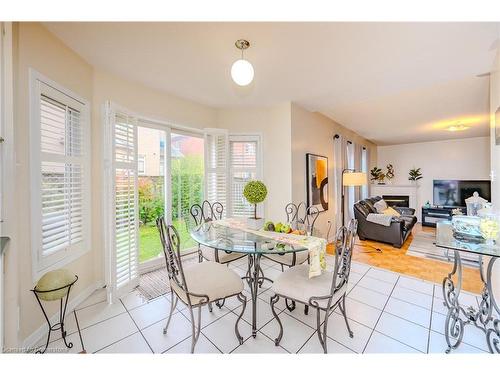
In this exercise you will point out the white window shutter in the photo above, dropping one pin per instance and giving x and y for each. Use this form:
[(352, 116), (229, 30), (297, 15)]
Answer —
[(216, 167), (244, 167), (60, 157), (125, 255)]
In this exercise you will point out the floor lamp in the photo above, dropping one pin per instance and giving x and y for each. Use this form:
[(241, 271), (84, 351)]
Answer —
[(351, 178)]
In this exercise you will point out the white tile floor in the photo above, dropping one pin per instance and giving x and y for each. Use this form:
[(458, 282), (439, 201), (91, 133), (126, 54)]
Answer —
[(388, 312)]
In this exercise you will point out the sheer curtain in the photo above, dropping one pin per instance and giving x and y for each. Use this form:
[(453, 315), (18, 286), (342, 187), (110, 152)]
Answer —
[(365, 157), (349, 190), (338, 165)]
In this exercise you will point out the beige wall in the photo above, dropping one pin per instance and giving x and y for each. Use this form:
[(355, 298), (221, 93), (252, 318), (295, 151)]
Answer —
[(38, 49), (495, 157), (313, 133), (274, 125)]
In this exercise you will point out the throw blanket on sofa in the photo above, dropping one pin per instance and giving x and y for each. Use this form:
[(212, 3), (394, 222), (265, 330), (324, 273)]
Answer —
[(381, 219)]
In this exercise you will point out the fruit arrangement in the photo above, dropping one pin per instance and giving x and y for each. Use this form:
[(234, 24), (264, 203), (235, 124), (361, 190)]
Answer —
[(281, 228)]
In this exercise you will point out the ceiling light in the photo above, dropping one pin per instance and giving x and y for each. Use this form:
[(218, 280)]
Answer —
[(457, 128), (242, 71)]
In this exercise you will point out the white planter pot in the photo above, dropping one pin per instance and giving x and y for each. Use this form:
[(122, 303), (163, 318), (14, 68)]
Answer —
[(255, 224)]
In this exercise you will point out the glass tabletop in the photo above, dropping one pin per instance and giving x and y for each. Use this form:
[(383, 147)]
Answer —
[(444, 238), (225, 238)]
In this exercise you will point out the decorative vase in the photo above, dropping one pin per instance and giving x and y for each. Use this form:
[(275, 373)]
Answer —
[(255, 224)]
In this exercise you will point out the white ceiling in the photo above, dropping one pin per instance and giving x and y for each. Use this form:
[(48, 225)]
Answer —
[(390, 82)]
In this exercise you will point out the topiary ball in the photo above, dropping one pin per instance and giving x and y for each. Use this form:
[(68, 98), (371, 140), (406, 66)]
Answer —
[(255, 192)]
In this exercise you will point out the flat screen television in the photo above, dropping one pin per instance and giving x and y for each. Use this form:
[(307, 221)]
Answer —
[(452, 193)]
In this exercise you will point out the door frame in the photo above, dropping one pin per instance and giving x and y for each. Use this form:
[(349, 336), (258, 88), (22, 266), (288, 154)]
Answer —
[(6, 163)]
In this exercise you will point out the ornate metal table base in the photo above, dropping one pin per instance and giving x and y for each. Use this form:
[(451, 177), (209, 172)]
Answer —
[(255, 278), (458, 316)]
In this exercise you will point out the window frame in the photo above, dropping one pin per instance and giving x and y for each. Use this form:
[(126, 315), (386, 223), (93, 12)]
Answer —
[(142, 158), (245, 137), (39, 85)]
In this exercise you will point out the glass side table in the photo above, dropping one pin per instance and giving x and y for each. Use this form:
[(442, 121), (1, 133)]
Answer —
[(459, 316)]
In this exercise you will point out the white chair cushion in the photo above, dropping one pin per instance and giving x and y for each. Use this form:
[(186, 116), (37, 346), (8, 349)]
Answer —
[(209, 254), (295, 283), (287, 258), (209, 278)]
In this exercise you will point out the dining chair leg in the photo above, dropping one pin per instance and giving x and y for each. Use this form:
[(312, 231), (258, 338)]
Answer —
[(210, 307), (275, 299), (289, 305), (242, 298), (219, 304), (282, 268), (200, 254), (306, 309), (173, 304), (342, 309), (322, 335), (195, 327)]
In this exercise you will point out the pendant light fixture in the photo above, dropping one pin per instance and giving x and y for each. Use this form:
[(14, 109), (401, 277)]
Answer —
[(242, 71)]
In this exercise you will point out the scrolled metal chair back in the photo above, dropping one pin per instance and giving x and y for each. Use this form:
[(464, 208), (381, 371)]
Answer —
[(206, 212), (170, 241), (312, 213), (344, 246)]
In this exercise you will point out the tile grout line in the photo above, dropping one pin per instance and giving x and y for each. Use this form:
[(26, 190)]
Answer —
[(386, 302), (430, 321), (139, 330)]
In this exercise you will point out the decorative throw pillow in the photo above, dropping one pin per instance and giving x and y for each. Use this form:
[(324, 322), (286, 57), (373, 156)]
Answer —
[(391, 211), (380, 206)]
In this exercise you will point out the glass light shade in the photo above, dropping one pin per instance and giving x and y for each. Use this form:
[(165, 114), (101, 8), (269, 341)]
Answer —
[(354, 179), (242, 72)]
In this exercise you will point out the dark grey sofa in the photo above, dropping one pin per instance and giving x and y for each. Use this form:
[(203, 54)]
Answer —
[(395, 234)]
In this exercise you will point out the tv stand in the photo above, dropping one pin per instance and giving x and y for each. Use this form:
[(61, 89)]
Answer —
[(431, 215)]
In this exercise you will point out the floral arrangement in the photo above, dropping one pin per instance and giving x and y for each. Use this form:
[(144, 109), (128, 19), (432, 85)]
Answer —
[(377, 174), (255, 192)]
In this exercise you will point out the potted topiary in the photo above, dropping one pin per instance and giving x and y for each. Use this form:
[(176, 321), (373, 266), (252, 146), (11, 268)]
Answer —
[(255, 192), (414, 175), (377, 175)]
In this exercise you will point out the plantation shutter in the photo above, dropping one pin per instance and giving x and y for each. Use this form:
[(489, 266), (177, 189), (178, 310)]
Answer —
[(125, 199), (62, 173), (243, 168), (216, 167)]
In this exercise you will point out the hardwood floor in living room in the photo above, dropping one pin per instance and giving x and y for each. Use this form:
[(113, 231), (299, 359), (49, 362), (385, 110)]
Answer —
[(398, 260)]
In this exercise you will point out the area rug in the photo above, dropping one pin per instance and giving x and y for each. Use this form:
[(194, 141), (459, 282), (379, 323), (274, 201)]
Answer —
[(422, 245), (154, 284)]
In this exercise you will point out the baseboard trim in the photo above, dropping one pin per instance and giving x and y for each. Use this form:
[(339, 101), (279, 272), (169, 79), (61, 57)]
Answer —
[(32, 339)]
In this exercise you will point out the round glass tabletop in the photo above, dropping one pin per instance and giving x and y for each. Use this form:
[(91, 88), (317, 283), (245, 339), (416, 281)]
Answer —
[(236, 240)]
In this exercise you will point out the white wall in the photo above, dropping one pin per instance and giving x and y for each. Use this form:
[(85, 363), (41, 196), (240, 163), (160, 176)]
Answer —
[(274, 125), (467, 158)]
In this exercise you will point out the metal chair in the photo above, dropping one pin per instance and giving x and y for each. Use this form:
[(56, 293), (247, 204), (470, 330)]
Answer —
[(324, 292), (197, 285), (307, 218), (299, 216), (207, 212)]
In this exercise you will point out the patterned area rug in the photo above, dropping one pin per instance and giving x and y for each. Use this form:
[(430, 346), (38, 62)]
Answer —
[(154, 284), (423, 246)]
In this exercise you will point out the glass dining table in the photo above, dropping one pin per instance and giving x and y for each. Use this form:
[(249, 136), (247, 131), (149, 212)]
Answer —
[(459, 316), (235, 240)]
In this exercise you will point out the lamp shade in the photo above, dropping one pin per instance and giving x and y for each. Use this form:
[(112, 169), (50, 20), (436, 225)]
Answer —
[(354, 179)]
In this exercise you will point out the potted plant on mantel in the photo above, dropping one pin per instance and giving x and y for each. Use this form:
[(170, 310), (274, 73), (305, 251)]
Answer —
[(414, 175), (255, 192)]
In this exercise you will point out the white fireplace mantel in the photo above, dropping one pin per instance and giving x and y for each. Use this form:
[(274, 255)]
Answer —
[(392, 189)]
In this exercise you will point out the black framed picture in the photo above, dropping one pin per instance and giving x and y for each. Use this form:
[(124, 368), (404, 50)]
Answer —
[(317, 181)]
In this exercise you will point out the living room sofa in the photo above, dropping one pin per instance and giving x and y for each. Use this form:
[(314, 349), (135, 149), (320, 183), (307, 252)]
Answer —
[(395, 234)]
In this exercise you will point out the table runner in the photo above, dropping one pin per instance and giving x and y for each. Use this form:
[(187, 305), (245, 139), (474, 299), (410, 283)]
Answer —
[(315, 246)]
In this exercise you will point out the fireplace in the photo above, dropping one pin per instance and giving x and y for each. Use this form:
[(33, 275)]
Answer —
[(397, 200)]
